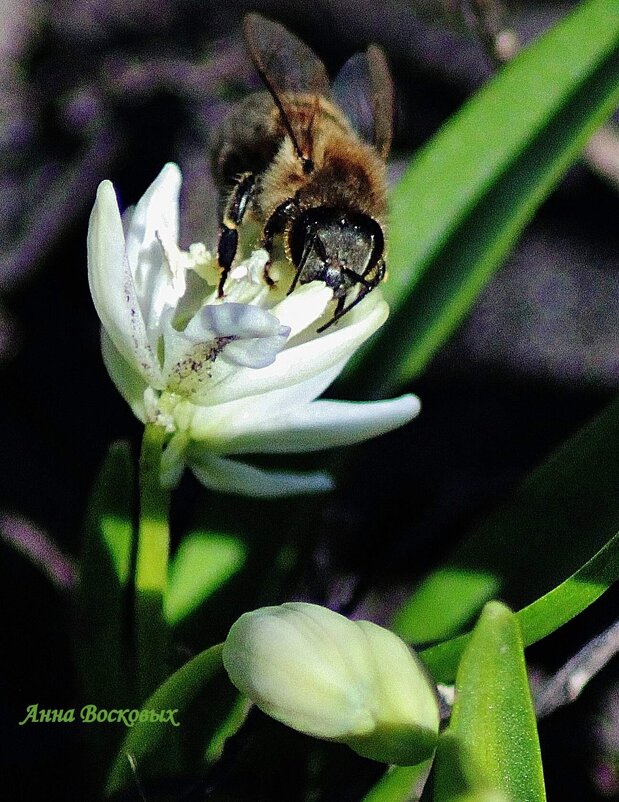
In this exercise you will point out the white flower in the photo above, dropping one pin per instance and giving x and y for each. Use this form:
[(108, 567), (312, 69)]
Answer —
[(347, 681), (224, 376)]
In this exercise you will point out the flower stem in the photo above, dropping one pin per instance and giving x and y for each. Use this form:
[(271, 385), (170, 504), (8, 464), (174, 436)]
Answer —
[(151, 569)]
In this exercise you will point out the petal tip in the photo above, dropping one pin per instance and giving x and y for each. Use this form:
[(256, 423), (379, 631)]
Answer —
[(414, 404), (106, 194), (171, 173)]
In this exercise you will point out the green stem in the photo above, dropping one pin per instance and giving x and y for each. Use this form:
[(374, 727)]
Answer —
[(151, 569)]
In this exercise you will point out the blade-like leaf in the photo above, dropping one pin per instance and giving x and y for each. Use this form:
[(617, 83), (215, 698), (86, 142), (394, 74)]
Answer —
[(204, 562), (491, 743), (561, 515), (400, 784), (470, 191), (543, 616), (157, 748), (105, 565), (482, 796), (102, 639)]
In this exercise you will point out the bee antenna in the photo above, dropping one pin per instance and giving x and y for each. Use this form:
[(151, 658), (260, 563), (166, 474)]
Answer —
[(273, 92), (309, 164), (270, 47), (288, 127), (283, 115)]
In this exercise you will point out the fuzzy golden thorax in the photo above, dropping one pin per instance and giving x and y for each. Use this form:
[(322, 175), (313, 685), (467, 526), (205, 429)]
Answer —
[(348, 174)]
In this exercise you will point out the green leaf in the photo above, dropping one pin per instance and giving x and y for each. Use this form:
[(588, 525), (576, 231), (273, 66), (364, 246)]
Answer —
[(552, 524), (573, 596), (491, 743), (253, 557), (471, 190), (201, 695), (544, 616), (481, 796), (109, 527), (204, 562), (102, 639), (400, 784), (105, 565)]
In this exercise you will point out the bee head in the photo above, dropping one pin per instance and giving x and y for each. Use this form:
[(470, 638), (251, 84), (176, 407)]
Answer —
[(336, 247)]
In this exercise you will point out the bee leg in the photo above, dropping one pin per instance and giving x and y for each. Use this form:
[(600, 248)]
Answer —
[(340, 309), (309, 244), (276, 224), (232, 218), (378, 271)]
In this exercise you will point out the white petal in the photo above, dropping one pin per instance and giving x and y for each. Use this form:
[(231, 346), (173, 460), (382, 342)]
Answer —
[(152, 232), (258, 335), (232, 320), (221, 423), (299, 363), (158, 203), (304, 306), (256, 353), (111, 285), (320, 425), (208, 350), (227, 476), (127, 381)]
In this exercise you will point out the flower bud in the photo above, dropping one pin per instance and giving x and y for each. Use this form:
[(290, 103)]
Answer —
[(347, 681)]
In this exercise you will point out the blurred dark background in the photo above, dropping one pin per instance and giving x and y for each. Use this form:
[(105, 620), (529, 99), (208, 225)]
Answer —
[(92, 90)]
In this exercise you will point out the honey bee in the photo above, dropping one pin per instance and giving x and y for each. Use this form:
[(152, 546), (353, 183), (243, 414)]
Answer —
[(298, 168)]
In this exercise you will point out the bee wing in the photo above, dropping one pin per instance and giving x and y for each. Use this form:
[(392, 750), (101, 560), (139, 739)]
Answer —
[(382, 98), (351, 92), (286, 65), (364, 91)]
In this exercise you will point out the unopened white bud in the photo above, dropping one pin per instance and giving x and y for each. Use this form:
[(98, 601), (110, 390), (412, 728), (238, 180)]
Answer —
[(347, 681)]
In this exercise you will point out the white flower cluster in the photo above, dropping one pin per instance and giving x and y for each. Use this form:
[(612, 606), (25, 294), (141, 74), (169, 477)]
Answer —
[(224, 376)]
